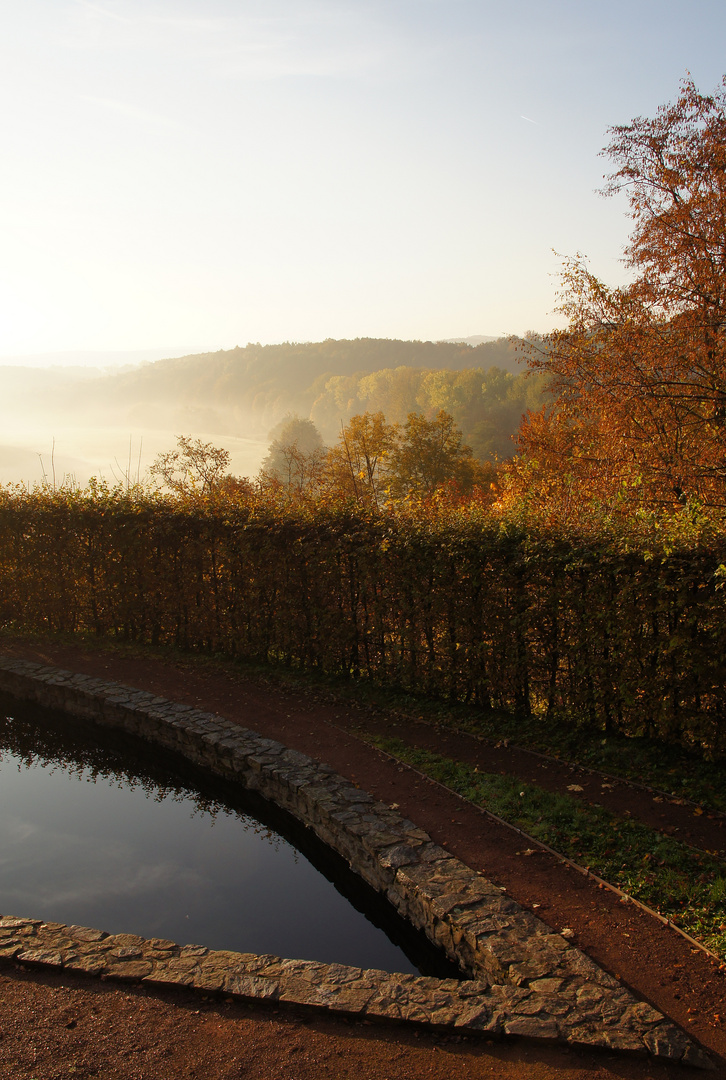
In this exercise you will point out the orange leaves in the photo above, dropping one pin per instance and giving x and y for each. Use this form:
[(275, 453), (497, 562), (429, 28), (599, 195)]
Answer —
[(640, 372), (431, 454), (672, 167)]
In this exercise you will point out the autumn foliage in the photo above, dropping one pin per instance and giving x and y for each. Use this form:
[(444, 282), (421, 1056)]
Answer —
[(640, 371), (375, 463)]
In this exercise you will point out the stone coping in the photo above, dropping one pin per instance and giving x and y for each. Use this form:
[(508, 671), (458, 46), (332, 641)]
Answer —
[(523, 979)]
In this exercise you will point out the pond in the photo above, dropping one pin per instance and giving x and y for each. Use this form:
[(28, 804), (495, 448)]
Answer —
[(102, 829)]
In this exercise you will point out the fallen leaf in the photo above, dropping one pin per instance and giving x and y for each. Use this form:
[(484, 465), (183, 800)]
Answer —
[(575, 787)]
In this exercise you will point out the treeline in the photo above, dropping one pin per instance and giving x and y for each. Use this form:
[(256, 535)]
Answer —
[(616, 631), (486, 404), (247, 390), (372, 463), (272, 379)]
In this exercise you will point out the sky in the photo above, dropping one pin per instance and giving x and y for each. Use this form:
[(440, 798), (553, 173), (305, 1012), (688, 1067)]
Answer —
[(186, 175)]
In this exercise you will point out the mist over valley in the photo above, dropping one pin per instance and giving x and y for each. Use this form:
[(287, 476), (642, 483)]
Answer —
[(69, 423)]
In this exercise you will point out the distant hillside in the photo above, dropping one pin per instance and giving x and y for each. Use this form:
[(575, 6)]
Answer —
[(293, 368), (476, 339), (87, 358), (243, 392), (257, 384)]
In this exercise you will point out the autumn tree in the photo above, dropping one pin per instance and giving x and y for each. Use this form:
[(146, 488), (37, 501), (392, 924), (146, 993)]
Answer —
[(486, 403), (429, 454), (194, 468), (358, 465), (295, 458), (640, 371)]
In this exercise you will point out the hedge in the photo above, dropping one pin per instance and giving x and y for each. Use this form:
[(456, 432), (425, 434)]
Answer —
[(619, 636)]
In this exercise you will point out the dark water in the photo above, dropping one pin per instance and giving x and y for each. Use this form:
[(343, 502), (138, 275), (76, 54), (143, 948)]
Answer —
[(101, 829)]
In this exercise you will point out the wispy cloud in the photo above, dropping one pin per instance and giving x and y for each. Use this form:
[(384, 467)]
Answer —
[(307, 37), (111, 884), (102, 11), (134, 112), (16, 830), (527, 118)]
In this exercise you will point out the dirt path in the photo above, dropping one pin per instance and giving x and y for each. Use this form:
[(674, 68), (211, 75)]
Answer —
[(136, 1035)]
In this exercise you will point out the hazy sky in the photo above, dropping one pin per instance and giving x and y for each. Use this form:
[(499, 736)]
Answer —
[(203, 173)]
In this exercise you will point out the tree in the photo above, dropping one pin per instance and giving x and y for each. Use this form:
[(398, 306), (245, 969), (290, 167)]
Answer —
[(195, 467), (429, 454), (358, 465), (296, 456), (640, 371)]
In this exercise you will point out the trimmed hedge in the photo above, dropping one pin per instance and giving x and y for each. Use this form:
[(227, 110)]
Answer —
[(619, 636)]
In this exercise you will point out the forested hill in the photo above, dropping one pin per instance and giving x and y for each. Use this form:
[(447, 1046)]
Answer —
[(246, 391), (252, 387), (289, 374)]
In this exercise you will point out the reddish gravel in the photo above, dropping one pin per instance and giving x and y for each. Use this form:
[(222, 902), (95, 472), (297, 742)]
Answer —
[(54, 1026)]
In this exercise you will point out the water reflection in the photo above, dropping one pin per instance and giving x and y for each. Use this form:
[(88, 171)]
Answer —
[(100, 828)]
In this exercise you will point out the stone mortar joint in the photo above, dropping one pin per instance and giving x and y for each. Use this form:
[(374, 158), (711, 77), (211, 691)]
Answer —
[(523, 978)]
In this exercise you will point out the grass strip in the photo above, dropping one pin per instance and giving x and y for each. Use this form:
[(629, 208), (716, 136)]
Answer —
[(667, 766), (649, 761), (686, 886)]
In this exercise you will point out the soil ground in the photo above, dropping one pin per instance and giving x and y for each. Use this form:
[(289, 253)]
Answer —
[(55, 1026)]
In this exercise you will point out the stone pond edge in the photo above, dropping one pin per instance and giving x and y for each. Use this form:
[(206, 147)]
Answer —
[(525, 980)]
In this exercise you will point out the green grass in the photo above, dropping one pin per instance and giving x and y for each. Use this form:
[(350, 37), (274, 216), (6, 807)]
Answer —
[(687, 886), (668, 767), (652, 762)]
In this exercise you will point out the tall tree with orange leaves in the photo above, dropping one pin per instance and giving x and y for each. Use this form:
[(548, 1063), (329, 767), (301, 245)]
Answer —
[(640, 372)]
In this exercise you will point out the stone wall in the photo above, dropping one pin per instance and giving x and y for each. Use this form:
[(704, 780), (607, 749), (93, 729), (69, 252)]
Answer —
[(523, 979)]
